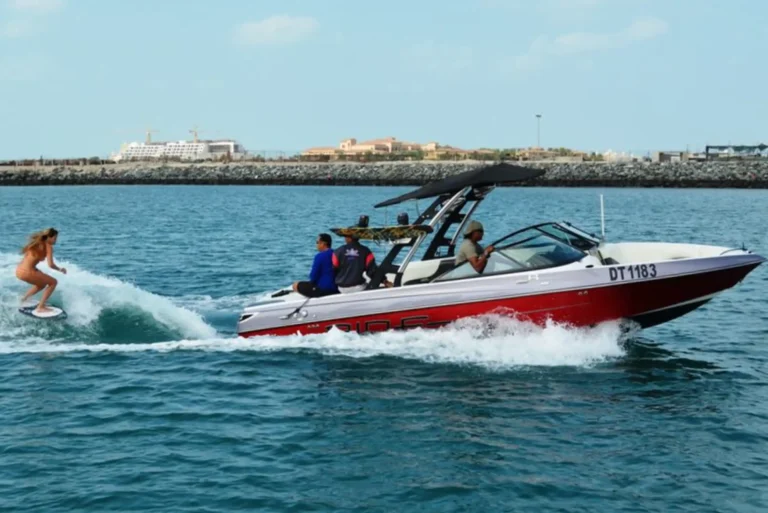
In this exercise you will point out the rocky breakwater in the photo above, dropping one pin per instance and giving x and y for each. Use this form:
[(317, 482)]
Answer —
[(583, 174)]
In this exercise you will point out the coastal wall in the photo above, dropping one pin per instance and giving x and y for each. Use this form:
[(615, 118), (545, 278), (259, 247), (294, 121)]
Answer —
[(684, 174)]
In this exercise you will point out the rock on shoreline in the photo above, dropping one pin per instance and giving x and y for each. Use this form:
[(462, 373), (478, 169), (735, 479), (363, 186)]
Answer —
[(683, 174)]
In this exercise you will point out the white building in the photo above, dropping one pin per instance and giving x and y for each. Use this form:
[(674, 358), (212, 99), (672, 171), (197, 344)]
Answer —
[(614, 156), (182, 150)]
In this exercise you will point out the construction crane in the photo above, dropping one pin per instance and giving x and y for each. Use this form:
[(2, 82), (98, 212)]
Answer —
[(194, 132), (149, 135)]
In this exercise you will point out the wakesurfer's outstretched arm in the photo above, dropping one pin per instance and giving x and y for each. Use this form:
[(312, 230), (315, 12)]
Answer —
[(49, 255)]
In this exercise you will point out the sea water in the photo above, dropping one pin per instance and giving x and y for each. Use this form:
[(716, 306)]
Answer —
[(145, 400)]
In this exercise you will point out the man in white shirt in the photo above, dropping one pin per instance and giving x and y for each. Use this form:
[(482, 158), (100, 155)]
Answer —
[(470, 250)]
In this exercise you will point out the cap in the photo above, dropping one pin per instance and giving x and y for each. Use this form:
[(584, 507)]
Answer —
[(473, 226)]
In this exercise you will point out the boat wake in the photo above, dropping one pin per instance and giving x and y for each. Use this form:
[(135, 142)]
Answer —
[(110, 315), (493, 342), (507, 345), (99, 308)]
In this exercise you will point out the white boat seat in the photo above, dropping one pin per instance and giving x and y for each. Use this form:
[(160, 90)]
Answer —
[(443, 267)]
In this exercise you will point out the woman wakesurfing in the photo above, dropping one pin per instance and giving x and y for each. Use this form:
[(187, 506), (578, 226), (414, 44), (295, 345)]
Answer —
[(39, 248)]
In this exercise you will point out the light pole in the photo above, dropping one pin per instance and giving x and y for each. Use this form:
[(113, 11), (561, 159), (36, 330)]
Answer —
[(538, 130)]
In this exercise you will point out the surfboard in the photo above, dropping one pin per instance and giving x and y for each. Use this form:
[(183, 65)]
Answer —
[(404, 231), (28, 309)]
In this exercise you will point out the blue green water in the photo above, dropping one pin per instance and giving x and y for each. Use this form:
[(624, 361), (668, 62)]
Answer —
[(144, 399)]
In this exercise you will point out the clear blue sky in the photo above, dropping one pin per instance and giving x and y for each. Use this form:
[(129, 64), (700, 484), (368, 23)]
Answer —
[(78, 77)]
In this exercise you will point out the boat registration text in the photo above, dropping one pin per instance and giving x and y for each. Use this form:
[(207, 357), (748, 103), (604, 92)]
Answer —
[(632, 272)]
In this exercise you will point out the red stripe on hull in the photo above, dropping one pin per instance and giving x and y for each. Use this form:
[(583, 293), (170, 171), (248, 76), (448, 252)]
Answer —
[(577, 307)]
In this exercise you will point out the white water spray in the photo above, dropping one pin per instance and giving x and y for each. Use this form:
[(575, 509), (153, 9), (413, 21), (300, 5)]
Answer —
[(491, 342), (495, 344), (85, 296)]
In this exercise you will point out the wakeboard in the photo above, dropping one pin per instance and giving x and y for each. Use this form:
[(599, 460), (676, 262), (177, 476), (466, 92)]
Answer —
[(388, 233), (53, 313)]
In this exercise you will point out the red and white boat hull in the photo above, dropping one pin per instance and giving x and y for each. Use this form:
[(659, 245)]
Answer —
[(648, 293)]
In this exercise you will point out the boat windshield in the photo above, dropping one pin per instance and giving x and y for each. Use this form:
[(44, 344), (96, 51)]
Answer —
[(569, 236), (527, 250)]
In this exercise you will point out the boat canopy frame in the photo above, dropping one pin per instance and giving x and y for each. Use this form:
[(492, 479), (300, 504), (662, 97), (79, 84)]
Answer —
[(451, 195), (495, 174)]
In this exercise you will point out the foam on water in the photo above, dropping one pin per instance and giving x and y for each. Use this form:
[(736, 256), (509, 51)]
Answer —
[(86, 297), (206, 303), (495, 343)]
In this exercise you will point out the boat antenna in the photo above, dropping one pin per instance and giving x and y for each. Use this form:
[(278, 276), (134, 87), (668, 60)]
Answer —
[(602, 216)]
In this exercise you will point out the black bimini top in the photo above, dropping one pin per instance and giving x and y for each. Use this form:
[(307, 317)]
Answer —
[(489, 175)]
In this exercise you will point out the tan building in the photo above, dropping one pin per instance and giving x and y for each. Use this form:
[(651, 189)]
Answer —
[(385, 145), (438, 152), (351, 147), (542, 154), (320, 151), (670, 156)]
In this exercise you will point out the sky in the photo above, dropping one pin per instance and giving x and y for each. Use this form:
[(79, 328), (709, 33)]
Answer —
[(80, 77)]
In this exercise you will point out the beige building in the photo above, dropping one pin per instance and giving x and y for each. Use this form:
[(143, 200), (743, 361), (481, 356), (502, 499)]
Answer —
[(386, 145), (437, 152), (542, 154), (351, 147), (670, 156)]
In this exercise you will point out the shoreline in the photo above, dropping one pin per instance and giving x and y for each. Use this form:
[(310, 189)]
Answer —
[(735, 175)]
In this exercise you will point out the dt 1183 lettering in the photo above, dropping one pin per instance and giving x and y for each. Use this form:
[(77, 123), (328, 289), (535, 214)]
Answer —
[(632, 272)]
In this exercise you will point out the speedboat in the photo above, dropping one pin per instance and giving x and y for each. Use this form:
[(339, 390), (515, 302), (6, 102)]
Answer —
[(550, 271)]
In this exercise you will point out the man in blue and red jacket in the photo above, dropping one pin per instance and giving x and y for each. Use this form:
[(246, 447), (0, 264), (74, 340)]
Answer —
[(321, 276), (350, 261)]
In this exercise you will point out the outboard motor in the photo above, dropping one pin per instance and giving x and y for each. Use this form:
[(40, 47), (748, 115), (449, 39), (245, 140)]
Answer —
[(362, 222), (402, 218)]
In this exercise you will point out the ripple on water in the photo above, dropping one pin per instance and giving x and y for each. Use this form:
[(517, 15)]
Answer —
[(145, 401)]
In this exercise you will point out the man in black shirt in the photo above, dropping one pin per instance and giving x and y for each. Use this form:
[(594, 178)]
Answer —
[(352, 260)]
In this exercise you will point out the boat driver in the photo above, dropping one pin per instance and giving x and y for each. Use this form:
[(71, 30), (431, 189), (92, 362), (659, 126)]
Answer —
[(321, 276), (470, 250)]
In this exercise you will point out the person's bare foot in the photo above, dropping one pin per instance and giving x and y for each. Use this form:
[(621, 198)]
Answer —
[(44, 309)]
